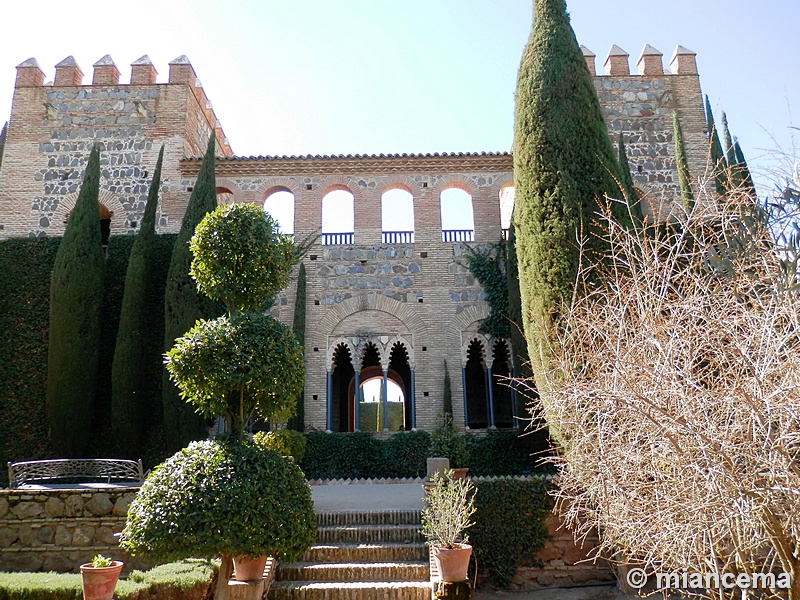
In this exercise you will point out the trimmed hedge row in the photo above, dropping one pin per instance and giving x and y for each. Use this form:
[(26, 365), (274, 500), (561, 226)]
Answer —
[(509, 525), (361, 455), (184, 580), (25, 289)]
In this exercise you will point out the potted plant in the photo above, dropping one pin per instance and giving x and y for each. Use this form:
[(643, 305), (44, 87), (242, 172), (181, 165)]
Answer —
[(448, 442), (449, 506), (99, 578)]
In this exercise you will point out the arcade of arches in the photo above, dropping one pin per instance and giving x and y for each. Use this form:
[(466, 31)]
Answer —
[(370, 392)]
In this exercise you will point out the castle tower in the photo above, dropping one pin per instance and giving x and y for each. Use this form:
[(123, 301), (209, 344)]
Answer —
[(53, 127)]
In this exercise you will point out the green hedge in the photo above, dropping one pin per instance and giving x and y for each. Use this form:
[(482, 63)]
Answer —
[(185, 579), (24, 288), (509, 525), (360, 454)]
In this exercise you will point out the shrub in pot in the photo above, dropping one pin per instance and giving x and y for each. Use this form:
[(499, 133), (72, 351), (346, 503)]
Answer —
[(447, 514), (99, 578), (448, 442), (222, 497)]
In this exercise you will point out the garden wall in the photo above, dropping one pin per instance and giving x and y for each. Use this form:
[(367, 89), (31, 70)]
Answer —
[(564, 562), (58, 530)]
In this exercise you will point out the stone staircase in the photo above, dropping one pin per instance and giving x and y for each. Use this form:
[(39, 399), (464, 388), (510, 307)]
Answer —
[(360, 556)]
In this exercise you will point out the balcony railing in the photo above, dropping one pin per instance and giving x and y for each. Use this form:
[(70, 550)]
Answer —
[(336, 239), (458, 235), (397, 237)]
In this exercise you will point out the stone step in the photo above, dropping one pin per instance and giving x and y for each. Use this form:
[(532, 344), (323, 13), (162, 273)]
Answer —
[(365, 553), (351, 534), (389, 517), (355, 571), (353, 590)]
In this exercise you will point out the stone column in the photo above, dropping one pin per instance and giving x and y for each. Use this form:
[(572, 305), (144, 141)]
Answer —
[(412, 398), (490, 398), (329, 401), (385, 400), (464, 388), (357, 402)]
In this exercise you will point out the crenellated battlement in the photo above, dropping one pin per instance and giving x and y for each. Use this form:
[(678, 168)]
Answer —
[(106, 74), (649, 63)]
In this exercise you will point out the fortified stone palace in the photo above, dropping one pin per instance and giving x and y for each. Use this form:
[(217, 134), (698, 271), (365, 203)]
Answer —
[(381, 304)]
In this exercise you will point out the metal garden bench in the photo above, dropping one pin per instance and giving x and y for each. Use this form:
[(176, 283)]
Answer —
[(64, 471)]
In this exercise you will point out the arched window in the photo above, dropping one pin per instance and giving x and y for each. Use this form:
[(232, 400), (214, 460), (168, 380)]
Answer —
[(338, 220), (397, 217), (506, 208), (280, 205), (457, 223), (224, 196)]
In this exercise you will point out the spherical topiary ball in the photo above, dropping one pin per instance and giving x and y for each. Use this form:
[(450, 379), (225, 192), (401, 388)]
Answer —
[(222, 497)]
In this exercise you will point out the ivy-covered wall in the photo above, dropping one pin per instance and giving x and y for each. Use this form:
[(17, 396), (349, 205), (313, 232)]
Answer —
[(26, 265)]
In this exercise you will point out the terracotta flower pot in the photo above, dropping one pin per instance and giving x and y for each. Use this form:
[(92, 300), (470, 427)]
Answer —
[(460, 472), (99, 582), (246, 568), (452, 563)]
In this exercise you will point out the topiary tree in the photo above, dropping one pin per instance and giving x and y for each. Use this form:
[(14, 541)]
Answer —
[(222, 497), (564, 168), (128, 387), (246, 363), (183, 307), (76, 295)]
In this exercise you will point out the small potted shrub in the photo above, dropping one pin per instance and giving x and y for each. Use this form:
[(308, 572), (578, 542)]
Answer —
[(448, 442), (447, 514), (99, 578)]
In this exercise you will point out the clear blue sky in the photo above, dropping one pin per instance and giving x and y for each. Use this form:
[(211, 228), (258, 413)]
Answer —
[(385, 76)]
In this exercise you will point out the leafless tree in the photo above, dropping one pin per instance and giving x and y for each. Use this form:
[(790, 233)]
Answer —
[(677, 395)]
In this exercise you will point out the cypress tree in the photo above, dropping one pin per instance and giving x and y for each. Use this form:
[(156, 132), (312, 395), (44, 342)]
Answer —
[(3, 135), (76, 295), (128, 387), (564, 164), (183, 307), (715, 149), (297, 422), (684, 177), (519, 349), (447, 395), (727, 142), (745, 178), (630, 191)]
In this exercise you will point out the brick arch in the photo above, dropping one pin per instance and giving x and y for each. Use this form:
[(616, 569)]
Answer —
[(273, 184), (461, 182), (493, 347), (338, 182), (106, 198), (398, 182), (351, 306), (399, 339), (470, 315), (231, 185), (502, 182)]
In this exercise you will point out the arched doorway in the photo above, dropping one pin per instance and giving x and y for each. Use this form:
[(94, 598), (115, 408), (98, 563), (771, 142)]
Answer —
[(475, 387)]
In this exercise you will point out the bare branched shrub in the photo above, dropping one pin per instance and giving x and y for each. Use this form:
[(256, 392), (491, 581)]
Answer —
[(677, 389)]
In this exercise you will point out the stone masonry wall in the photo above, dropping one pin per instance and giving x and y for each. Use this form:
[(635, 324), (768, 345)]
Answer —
[(58, 530), (53, 128)]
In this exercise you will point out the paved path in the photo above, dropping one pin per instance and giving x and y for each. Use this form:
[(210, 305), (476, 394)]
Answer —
[(368, 496)]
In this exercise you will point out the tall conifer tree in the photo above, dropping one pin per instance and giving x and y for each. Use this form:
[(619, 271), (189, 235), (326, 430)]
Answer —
[(3, 134), (297, 422), (715, 149), (183, 306), (684, 177), (128, 387), (745, 178), (727, 142), (76, 296), (564, 164)]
